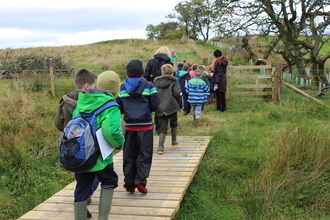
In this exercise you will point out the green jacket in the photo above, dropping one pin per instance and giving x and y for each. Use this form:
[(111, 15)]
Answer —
[(109, 120)]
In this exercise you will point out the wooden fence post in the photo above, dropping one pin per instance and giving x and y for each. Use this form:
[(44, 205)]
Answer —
[(269, 72), (52, 78), (277, 83), (175, 64)]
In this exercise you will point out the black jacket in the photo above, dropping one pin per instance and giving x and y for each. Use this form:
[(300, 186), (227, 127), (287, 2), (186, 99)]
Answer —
[(153, 68)]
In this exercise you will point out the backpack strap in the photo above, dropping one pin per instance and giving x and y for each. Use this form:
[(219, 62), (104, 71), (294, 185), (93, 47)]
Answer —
[(105, 106)]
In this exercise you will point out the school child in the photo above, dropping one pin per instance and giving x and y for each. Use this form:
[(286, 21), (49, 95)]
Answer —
[(192, 69), (153, 69), (110, 82), (196, 90), (204, 74), (209, 71), (206, 80), (83, 80), (174, 56), (137, 98), (180, 65), (184, 77), (110, 122), (169, 93)]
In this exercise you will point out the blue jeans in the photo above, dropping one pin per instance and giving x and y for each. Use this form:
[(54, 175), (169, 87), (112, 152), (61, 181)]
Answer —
[(196, 110)]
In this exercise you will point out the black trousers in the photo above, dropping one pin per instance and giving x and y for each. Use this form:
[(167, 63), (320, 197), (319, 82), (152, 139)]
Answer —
[(137, 155), (108, 178), (221, 101)]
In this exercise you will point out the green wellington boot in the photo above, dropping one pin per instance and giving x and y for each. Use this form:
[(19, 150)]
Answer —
[(105, 203), (162, 137), (196, 124), (174, 132), (80, 209)]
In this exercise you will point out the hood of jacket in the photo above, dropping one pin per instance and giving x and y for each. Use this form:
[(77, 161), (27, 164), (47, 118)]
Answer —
[(182, 73), (92, 100), (163, 82), (135, 85), (162, 56)]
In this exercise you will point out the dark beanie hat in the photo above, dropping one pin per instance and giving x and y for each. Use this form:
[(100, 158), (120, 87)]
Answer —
[(134, 68), (217, 53), (180, 65)]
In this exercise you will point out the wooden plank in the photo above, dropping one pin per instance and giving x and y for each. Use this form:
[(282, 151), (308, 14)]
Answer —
[(169, 180), (249, 77), (264, 86), (250, 99), (250, 67), (250, 93)]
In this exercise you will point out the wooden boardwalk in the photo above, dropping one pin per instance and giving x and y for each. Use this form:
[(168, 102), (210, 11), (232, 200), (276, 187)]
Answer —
[(170, 176)]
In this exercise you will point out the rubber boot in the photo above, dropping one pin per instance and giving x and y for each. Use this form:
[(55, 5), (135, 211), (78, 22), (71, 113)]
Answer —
[(212, 97), (174, 132), (162, 137), (196, 122), (80, 209), (105, 203)]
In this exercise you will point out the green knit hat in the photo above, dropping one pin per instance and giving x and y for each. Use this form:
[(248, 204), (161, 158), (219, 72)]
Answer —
[(109, 81)]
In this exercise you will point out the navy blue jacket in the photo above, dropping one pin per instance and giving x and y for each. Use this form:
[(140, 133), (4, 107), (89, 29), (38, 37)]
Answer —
[(137, 98)]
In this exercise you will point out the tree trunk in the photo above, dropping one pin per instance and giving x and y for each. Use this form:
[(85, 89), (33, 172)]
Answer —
[(319, 74), (246, 46), (301, 68)]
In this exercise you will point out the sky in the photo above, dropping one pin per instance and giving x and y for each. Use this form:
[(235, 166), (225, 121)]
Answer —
[(35, 23)]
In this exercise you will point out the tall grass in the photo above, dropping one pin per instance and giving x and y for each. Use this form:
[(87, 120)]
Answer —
[(28, 151), (264, 161)]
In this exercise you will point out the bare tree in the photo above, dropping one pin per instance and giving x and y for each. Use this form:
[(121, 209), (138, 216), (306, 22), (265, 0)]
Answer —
[(301, 27)]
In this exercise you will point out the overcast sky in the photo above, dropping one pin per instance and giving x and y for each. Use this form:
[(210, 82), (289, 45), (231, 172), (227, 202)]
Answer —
[(33, 23)]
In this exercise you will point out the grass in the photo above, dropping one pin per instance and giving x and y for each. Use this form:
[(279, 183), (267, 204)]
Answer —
[(265, 160)]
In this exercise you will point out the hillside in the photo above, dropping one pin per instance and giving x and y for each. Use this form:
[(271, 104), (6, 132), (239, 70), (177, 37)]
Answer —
[(113, 54)]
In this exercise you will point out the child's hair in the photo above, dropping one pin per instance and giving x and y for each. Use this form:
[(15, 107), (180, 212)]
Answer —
[(164, 50), (209, 68), (197, 73), (185, 67), (201, 67), (194, 66), (167, 69), (84, 76)]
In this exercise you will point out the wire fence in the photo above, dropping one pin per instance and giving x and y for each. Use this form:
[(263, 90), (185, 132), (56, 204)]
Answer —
[(58, 84)]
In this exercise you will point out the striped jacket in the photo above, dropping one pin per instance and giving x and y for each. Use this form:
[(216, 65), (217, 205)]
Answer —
[(137, 98), (196, 90)]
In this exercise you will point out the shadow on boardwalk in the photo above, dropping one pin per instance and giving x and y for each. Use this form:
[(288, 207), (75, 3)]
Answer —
[(170, 176)]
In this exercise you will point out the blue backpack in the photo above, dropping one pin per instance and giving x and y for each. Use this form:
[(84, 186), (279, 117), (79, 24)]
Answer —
[(78, 148)]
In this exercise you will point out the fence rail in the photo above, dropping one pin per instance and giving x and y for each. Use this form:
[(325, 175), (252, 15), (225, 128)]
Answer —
[(253, 84)]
